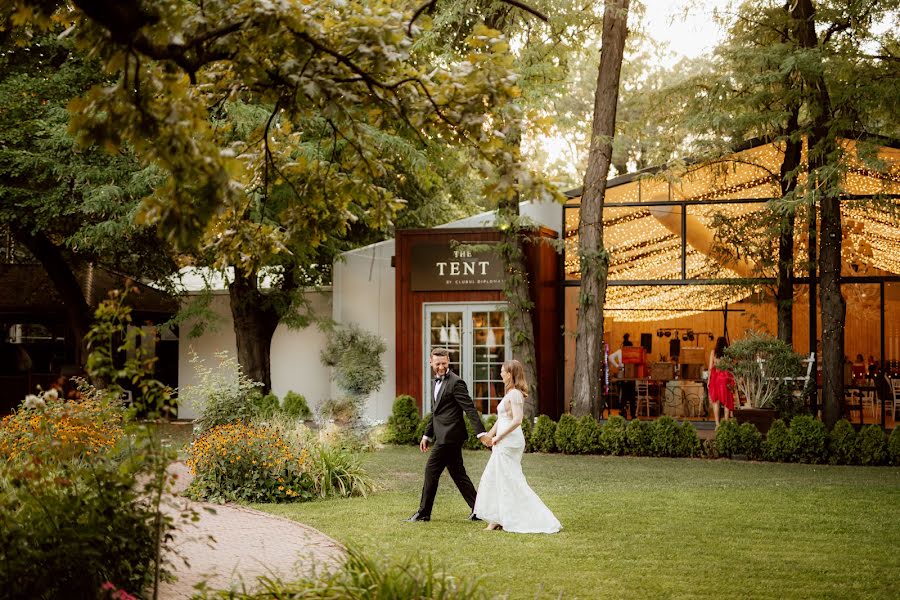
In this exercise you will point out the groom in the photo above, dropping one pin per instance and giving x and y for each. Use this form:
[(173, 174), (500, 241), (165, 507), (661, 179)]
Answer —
[(447, 428)]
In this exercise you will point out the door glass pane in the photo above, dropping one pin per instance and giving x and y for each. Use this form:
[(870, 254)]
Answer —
[(488, 341), (446, 332)]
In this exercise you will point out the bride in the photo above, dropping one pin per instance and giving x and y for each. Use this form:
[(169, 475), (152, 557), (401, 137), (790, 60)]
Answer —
[(504, 499)]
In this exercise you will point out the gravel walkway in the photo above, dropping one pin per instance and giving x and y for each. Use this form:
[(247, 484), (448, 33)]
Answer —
[(233, 546)]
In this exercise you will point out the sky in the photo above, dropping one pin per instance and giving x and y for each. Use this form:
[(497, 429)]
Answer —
[(687, 35)]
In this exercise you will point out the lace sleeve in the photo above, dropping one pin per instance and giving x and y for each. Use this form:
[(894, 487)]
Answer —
[(516, 398)]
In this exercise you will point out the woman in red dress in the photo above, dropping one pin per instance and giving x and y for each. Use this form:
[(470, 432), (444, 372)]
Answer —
[(720, 382)]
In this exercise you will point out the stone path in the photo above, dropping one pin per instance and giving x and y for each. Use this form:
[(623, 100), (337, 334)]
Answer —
[(235, 545)]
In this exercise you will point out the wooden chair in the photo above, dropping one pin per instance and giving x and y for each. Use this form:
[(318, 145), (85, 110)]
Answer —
[(893, 396), (642, 393)]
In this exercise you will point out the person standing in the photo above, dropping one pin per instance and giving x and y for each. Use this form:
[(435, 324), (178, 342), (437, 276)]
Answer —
[(628, 389), (720, 382), (504, 498), (447, 429)]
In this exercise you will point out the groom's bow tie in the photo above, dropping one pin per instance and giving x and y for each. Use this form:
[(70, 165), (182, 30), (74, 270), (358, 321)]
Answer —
[(439, 379)]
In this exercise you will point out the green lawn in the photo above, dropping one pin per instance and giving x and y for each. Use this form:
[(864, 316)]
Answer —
[(644, 528)]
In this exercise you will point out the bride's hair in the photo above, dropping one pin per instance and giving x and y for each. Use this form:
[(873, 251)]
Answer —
[(517, 376)]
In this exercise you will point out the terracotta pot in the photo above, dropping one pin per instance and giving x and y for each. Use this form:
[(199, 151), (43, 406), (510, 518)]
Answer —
[(762, 418)]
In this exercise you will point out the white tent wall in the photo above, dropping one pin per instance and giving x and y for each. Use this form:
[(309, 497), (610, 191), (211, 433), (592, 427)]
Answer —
[(364, 292), (294, 358)]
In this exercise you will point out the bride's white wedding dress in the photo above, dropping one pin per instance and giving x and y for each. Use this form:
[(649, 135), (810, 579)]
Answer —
[(503, 494)]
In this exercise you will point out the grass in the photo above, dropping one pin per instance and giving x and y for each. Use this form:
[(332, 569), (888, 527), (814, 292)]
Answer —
[(639, 528)]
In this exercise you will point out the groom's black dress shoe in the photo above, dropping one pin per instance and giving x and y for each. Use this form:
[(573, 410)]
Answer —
[(474, 517), (418, 517)]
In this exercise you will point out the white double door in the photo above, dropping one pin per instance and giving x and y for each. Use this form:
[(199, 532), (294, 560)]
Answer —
[(476, 336)]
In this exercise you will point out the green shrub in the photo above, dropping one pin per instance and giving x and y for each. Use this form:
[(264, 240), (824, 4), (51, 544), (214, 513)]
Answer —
[(566, 432), (355, 356), (872, 446), (365, 578), (527, 428), (750, 441), (420, 429), (665, 437), (295, 406), (543, 438), (337, 471), (614, 438), (403, 422), (222, 394), (265, 406), (690, 441), (808, 440), (472, 442), (894, 446), (489, 421), (587, 436), (843, 444), (777, 446), (640, 437), (728, 439)]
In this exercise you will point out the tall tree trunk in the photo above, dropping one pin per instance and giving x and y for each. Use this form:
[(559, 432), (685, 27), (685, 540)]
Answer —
[(784, 294), (592, 255), (825, 184), (78, 312), (254, 325)]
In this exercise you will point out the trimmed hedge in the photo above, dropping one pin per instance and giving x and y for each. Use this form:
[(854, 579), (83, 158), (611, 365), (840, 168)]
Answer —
[(543, 438), (403, 423), (808, 440), (614, 437), (566, 431), (894, 446), (587, 437), (872, 446), (777, 447), (640, 437), (843, 444)]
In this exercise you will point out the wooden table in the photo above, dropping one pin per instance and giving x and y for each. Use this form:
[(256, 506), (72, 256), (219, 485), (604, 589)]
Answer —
[(684, 398)]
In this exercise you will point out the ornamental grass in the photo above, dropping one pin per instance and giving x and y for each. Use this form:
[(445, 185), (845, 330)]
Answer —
[(247, 462)]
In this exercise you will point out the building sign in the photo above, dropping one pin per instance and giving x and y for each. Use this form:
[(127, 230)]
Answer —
[(443, 267)]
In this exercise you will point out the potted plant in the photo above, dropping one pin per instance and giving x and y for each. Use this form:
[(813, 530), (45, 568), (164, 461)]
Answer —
[(766, 371)]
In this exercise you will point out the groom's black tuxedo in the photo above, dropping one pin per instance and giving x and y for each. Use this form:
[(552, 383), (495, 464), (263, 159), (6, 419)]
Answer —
[(448, 411), (447, 427)]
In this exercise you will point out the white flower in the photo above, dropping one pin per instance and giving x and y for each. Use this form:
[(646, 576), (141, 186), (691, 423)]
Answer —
[(32, 401), (51, 394)]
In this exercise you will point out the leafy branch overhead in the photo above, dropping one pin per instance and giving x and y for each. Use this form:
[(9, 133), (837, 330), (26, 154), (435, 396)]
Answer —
[(347, 67)]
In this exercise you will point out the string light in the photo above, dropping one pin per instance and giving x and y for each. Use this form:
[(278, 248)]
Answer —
[(642, 248)]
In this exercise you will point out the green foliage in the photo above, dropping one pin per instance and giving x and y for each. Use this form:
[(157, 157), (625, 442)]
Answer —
[(365, 578), (472, 442), (894, 447), (403, 422), (294, 405), (422, 426), (489, 421), (843, 444), (751, 441), (67, 528), (808, 440), (777, 446), (666, 438), (337, 472), (614, 437), (728, 439), (566, 433), (640, 437), (872, 446), (690, 441), (222, 394), (355, 356), (762, 384), (264, 406), (543, 437), (587, 437), (527, 429)]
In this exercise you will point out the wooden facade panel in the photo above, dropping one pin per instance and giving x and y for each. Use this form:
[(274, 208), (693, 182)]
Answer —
[(543, 264)]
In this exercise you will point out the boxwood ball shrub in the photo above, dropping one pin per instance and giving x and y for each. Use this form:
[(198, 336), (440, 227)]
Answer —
[(543, 438), (665, 437), (728, 439), (295, 406), (690, 441), (872, 446), (750, 441), (894, 446), (403, 422), (264, 406), (843, 444), (777, 447), (566, 431), (808, 439), (527, 428), (587, 437), (614, 437), (640, 436)]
